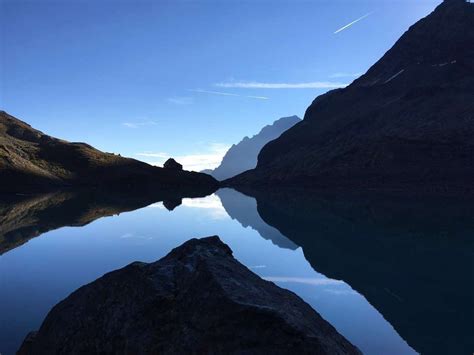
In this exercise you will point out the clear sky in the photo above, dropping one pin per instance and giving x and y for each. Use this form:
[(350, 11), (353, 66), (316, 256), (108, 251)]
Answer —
[(152, 79)]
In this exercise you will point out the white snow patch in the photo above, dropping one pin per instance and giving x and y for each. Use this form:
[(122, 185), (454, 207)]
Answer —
[(443, 64), (394, 76)]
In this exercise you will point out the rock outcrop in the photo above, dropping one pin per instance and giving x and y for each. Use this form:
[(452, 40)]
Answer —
[(31, 161), (172, 164), (408, 123), (196, 300)]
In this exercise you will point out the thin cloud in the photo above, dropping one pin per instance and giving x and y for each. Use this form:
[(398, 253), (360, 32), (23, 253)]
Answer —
[(260, 85), (258, 97), (209, 159), (138, 124), (161, 155), (341, 292), (208, 202), (212, 204), (352, 23), (303, 280), (213, 92), (345, 75), (180, 100), (158, 205), (227, 94)]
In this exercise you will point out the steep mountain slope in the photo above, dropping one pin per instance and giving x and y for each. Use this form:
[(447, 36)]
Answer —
[(243, 156), (31, 160), (408, 122)]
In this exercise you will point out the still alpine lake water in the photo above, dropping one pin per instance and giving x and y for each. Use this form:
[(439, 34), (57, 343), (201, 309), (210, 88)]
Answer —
[(391, 279)]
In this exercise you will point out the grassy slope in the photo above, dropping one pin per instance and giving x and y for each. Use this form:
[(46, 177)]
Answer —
[(30, 159)]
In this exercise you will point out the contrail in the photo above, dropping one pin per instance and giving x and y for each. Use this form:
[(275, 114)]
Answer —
[(353, 22), (226, 94), (213, 92)]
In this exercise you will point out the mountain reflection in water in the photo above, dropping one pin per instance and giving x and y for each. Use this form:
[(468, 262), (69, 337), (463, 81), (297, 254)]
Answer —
[(411, 258), (23, 217)]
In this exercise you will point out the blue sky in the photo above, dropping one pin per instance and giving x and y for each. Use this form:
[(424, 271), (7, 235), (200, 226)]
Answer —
[(152, 79)]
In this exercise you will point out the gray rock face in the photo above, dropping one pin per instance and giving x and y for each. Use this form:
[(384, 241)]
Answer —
[(243, 155), (196, 300)]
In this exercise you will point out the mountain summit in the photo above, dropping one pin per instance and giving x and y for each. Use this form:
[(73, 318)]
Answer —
[(243, 156), (407, 123)]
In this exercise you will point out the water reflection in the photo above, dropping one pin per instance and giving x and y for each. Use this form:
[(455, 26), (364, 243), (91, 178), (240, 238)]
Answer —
[(244, 209), (23, 217), (411, 257), (409, 261)]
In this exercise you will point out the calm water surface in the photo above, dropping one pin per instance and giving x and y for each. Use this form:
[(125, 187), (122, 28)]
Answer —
[(39, 273)]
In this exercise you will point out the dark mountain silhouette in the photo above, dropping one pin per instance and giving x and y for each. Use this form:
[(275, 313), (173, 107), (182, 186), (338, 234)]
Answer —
[(243, 155), (31, 161), (410, 257), (243, 208), (408, 122), (25, 217), (198, 299)]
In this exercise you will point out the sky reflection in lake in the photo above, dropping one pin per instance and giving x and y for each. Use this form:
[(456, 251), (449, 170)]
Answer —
[(38, 274)]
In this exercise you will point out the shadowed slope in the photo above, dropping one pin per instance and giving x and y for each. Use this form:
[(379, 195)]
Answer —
[(33, 161), (407, 123)]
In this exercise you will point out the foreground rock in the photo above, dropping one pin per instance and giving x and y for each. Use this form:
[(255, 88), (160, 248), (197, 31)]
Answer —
[(197, 299)]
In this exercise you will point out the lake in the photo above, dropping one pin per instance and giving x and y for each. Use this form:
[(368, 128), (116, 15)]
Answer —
[(393, 275)]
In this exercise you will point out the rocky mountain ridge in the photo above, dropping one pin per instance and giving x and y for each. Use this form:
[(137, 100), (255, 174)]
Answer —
[(243, 155), (408, 123)]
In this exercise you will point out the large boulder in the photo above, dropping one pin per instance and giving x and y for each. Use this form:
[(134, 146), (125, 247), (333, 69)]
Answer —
[(196, 300)]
